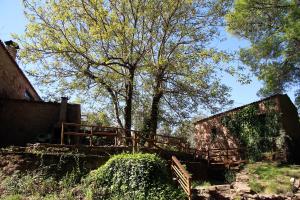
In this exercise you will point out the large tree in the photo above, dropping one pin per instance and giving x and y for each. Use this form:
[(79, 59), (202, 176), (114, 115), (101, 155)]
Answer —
[(182, 67), (89, 44), (273, 29), (130, 53)]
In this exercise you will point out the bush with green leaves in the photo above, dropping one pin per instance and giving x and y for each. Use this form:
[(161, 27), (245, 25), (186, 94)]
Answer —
[(29, 184), (132, 176), (229, 176), (255, 130)]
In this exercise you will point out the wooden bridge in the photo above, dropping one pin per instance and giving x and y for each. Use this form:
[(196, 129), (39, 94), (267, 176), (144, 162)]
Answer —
[(103, 136)]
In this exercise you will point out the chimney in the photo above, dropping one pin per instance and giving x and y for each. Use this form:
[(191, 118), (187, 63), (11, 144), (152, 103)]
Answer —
[(63, 109), (12, 48)]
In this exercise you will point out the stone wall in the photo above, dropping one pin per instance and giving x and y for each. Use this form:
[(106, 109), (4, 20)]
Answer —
[(24, 121), (13, 82), (210, 133), (291, 125)]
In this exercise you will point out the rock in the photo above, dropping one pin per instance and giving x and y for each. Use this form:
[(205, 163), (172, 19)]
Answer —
[(290, 194), (297, 183), (242, 187), (242, 178), (292, 180), (222, 187)]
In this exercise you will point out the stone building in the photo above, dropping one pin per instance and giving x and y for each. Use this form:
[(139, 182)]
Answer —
[(13, 82), (24, 116), (212, 133)]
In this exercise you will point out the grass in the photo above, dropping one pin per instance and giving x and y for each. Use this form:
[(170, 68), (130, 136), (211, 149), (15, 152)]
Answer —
[(272, 178), (37, 185), (201, 184)]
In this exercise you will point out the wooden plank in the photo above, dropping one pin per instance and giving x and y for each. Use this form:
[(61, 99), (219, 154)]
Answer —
[(176, 161), (62, 134), (180, 175), (76, 134), (167, 136), (186, 190), (103, 133)]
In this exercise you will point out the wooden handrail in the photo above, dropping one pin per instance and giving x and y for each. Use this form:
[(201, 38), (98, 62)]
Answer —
[(169, 136), (89, 131), (182, 176)]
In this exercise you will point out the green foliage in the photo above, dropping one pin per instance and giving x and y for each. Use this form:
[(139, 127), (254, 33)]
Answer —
[(255, 186), (71, 179), (254, 130), (229, 176), (132, 176), (30, 184), (13, 197), (99, 118), (203, 183), (271, 178), (123, 53), (273, 29), (41, 185), (186, 130)]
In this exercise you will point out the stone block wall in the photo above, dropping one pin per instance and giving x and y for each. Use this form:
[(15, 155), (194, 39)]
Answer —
[(24, 121), (289, 121), (13, 82)]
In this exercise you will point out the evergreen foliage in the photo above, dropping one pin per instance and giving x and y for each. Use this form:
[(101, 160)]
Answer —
[(273, 29), (256, 131), (132, 176)]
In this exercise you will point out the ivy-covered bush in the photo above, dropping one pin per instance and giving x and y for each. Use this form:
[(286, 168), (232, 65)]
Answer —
[(255, 130), (132, 176)]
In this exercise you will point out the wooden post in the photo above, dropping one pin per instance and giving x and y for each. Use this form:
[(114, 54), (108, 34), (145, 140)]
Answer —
[(134, 143), (116, 137), (227, 154), (91, 137), (189, 189), (208, 156), (63, 109), (62, 134)]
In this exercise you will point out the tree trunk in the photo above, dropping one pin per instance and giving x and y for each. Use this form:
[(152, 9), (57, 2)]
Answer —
[(128, 102), (158, 93), (116, 105), (154, 113)]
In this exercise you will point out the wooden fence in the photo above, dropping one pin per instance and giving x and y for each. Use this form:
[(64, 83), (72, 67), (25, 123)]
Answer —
[(182, 176), (115, 136), (118, 135)]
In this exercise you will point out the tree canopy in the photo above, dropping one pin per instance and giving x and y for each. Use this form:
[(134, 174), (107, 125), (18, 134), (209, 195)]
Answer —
[(148, 59), (273, 29)]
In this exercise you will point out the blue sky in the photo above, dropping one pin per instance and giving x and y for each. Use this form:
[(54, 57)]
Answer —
[(12, 20)]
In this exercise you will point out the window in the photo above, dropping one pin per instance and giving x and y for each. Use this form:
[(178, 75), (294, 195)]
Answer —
[(213, 134), (28, 96)]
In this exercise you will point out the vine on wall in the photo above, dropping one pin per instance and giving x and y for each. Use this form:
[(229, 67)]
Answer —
[(255, 130)]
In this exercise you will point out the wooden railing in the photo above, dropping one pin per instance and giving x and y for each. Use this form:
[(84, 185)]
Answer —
[(226, 156), (117, 137), (182, 176), (136, 139), (89, 131)]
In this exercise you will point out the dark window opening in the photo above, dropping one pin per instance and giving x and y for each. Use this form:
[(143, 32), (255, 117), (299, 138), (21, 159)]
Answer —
[(213, 134), (28, 96)]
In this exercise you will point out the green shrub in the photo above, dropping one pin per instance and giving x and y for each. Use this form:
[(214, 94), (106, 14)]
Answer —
[(255, 131), (71, 179), (229, 176), (256, 186), (29, 184), (132, 176), (202, 183), (13, 197), (271, 178)]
